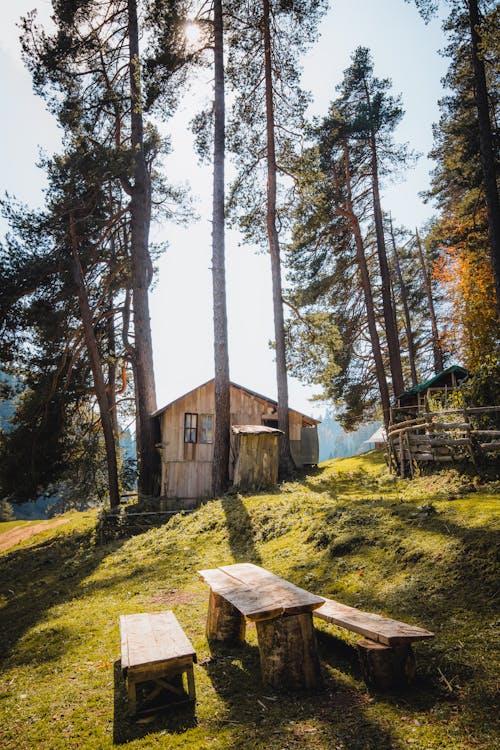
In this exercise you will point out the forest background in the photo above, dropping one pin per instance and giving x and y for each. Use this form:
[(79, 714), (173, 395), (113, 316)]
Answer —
[(180, 305), (404, 49)]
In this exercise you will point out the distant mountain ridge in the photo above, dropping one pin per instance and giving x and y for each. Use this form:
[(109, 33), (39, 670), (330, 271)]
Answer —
[(334, 442)]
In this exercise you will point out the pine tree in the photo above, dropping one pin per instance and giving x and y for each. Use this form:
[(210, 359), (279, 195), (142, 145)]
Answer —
[(462, 233), (89, 71), (373, 115), (328, 242), (267, 117), (474, 31)]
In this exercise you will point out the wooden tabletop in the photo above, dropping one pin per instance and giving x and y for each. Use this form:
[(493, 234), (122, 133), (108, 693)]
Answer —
[(257, 593), (152, 638)]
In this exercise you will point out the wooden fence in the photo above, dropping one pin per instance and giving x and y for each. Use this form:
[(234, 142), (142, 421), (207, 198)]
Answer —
[(447, 436)]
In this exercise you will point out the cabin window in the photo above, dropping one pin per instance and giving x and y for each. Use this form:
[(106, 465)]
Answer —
[(190, 427), (206, 428)]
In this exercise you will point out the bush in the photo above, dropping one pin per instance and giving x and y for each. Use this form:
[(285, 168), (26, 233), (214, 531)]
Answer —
[(6, 511), (483, 387)]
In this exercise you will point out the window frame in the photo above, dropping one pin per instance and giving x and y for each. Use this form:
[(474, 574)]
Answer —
[(211, 417), (190, 429)]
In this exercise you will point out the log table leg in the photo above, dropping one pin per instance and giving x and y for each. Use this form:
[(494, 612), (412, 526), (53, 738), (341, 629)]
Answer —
[(288, 652), (224, 622), (386, 667)]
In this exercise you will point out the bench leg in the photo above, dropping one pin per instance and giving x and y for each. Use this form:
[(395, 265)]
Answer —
[(386, 667), (190, 682), (224, 622), (132, 696), (288, 652)]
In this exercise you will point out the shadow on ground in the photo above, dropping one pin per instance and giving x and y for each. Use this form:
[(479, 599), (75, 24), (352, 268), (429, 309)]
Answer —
[(51, 573), (240, 531), (174, 719)]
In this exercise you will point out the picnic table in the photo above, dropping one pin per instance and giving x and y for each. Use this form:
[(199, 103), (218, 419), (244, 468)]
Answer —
[(282, 613)]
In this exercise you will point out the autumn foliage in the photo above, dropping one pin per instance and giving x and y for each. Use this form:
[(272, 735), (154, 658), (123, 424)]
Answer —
[(464, 271)]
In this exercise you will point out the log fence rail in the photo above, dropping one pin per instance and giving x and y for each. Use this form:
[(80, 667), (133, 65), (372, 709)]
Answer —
[(442, 438)]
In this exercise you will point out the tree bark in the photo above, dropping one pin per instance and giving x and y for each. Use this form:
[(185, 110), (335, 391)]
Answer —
[(111, 386), (224, 622), (486, 145), (288, 652), (220, 464), (436, 346), (386, 667), (406, 310), (286, 463), (141, 272), (96, 367), (367, 292)]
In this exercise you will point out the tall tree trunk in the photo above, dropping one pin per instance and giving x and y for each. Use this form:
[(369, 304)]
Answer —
[(141, 271), (286, 463), (220, 465), (111, 387), (486, 144), (406, 310), (391, 329), (367, 292), (436, 346), (96, 367)]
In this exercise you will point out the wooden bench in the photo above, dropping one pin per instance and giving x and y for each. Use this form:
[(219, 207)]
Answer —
[(282, 614), (154, 648), (385, 652)]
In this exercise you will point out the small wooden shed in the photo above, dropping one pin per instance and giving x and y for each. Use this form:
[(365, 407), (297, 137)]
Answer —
[(255, 456), (186, 426)]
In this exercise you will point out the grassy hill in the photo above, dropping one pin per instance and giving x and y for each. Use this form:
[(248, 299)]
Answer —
[(422, 552)]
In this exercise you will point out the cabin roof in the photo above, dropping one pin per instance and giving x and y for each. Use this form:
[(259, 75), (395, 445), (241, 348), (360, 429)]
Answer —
[(254, 394), (420, 387), (254, 429)]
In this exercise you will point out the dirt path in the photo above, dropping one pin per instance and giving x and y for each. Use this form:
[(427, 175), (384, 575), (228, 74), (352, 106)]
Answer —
[(20, 533)]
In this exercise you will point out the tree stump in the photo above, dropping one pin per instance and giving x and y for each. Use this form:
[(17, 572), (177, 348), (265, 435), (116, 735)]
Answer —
[(288, 652), (386, 667), (224, 622)]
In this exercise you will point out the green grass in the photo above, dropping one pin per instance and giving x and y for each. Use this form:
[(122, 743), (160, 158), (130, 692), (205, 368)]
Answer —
[(421, 551)]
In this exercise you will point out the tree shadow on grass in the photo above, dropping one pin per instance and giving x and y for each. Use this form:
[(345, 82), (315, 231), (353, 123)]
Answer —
[(36, 578), (240, 531), (420, 695), (258, 716), (175, 718)]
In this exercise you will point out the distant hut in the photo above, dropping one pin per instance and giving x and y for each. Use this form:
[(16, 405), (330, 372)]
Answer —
[(377, 440), (187, 425)]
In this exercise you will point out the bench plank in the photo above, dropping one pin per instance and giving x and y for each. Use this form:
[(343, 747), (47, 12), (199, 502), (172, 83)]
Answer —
[(257, 593), (151, 638), (375, 627)]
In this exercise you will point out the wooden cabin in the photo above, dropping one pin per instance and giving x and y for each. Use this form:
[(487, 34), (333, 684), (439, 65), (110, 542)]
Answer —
[(186, 427), (415, 400)]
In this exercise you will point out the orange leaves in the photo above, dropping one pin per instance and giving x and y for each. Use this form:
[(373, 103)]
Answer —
[(464, 270)]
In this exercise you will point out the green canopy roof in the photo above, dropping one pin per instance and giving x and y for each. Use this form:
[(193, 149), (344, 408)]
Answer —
[(435, 379)]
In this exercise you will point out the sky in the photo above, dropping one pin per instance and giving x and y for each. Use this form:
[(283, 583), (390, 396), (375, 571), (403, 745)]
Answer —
[(404, 49)]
